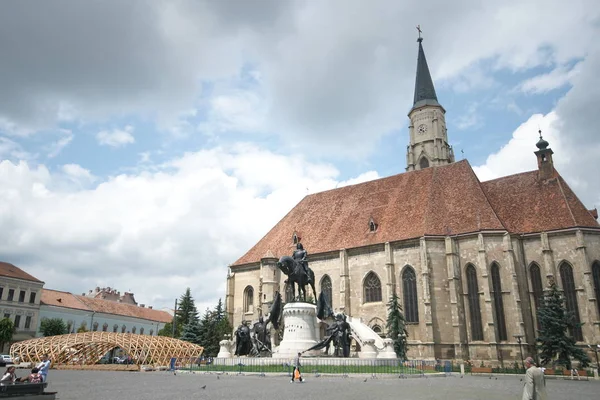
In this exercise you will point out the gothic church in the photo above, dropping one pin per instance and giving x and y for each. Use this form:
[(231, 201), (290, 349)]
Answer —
[(469, 259)]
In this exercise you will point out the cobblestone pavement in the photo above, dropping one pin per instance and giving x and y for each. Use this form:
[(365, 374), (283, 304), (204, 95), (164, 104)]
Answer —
[(96, 385)]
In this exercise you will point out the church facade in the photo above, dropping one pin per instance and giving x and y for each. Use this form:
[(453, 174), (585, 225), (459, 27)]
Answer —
[(469, 260)]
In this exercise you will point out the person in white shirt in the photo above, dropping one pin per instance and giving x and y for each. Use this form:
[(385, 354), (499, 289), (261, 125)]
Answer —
[(44, 366), (9, 376)]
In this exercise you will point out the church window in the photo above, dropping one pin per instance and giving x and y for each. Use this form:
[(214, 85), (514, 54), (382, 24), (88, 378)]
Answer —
[(474, 307), (372, 288), (536, 287), (326, 289), (498, 303), (104, 327), (596, 277), (424, 163), (289, 294), (566, 275), (409, 291), (372, 225), (249, 299), (377, 330)]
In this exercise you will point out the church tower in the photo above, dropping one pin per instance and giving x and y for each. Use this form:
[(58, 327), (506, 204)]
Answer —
[(427, 130)]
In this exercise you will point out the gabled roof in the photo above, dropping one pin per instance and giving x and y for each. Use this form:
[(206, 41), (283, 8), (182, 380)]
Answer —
[(433, 201), (68, 300), (12, 271), (526, 204)]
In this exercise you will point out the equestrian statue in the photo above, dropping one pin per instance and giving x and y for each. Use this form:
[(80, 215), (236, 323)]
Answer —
[(297, 270)]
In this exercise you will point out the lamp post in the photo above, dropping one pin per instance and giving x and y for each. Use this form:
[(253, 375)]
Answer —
[(519, 337), (595, 348)]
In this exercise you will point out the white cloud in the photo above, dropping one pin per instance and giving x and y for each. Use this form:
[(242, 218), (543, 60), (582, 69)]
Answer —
[(179, 226), (56, 147), (554, 79), (116, 137)]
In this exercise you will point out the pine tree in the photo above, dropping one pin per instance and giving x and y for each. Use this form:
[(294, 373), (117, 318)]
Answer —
[(555, 322), (191, 331), (185, 309), (213, 327), (396, 326)]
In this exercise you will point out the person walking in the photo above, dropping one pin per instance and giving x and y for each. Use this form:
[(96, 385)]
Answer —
[(43, 367), (535, 383), (297, 369)]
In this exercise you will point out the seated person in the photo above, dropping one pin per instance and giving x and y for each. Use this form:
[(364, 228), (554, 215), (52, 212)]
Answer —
[(9, 376), (34, 377)]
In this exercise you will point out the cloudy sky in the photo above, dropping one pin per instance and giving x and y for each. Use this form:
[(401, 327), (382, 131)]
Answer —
[(147, 145)]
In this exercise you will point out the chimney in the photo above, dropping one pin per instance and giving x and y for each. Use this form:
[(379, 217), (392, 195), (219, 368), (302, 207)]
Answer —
[(544, 159), (142, 305), (83, 294), (150, 307), (594, 213)]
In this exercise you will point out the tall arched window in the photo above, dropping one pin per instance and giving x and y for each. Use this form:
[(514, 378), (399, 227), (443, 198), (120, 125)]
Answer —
[(424, 163), (596, 278), (326, 289), (372, 288), (289, 294), (537, 289), (568, 283), (498, 303), (249, 299), (474, 309), (409, 292)]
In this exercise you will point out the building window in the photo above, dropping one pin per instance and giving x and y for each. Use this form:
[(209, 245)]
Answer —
[(566, 275), (133, 329), (141, 331), (11, 294), (115, 328), (372, 288), (69, 326), (424, 163), (537, 289), (372, 225), (498, 303), (377, 330), (151, 332), (104, 327), (27, 322), (326, 289), (22, 296), (409, 292), (123, 328), (249, 300), (95, 327), (1, 292), (17, 321), (596, 278), (474, 310), (32, 297)]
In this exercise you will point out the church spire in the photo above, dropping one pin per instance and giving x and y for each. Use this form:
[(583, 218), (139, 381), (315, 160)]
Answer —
[(424, 89)]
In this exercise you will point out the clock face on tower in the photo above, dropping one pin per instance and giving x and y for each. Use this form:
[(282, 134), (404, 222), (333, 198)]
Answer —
[(422, 129)]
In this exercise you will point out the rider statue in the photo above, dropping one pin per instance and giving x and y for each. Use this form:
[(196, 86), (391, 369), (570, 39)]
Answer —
[(300, 255)]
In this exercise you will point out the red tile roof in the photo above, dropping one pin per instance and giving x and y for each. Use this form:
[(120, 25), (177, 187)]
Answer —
[(443, 200), (434, 201), (8, 269), (65, 299), (527, 204)]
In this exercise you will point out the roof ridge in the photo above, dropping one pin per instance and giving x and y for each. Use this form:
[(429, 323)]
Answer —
[(510, 176), (558, 180), (485, 195)]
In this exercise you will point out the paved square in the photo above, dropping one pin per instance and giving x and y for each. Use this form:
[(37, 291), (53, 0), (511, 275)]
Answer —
[(96, 385)]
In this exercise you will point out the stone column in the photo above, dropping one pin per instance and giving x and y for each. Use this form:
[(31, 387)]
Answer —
[(549, 266), (586, 295), (515, 296), (390, 270), (426, 293), (456, 303), (229, 297), (345, 292), (268, 283), (487, 319)]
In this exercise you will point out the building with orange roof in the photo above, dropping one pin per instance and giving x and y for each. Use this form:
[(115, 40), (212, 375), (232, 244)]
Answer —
[(19, 301), (468, 259)]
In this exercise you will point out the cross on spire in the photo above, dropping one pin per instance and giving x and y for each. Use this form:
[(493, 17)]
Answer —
[(420, 31)]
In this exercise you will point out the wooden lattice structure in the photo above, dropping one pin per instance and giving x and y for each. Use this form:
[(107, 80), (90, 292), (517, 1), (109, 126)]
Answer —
[(89, 347)]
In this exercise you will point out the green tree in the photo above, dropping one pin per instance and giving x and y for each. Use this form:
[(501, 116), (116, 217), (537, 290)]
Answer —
[(82, 328), (185, 309), (191, 331), (53, 327), (396, 326), (555, 322), (7, 329), (167, 330), (213, 327)]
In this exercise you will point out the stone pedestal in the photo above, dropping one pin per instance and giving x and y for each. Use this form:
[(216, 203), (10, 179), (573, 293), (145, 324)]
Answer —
[(388, 349), (368, 349), (301, 330), (225, 349)]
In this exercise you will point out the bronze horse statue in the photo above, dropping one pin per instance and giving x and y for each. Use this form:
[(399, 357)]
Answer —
[(297, 275)]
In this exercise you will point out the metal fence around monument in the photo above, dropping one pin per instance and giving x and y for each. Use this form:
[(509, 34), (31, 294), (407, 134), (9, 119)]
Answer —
[(315, 366)]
